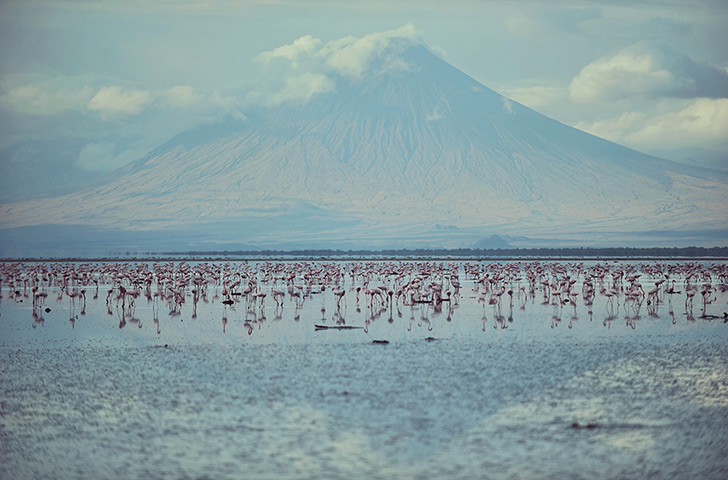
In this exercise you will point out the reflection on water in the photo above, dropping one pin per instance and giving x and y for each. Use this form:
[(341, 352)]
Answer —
[(270, 370), (429, 294)]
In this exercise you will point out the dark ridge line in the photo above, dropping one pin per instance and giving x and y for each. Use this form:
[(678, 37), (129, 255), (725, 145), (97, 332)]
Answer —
[(688, 252), (352, 259), (510, 254)]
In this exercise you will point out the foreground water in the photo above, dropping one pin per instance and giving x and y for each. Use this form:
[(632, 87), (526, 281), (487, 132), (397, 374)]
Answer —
[(467, 390)]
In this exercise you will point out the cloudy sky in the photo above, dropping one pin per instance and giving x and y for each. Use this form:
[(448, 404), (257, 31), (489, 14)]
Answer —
[(87, 86)]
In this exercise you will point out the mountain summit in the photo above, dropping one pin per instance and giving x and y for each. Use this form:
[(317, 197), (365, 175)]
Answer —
[(414, 153)]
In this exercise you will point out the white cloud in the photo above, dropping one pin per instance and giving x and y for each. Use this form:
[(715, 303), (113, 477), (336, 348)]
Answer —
[(47, 97), (304, 68), (507, 105), (439, 51), (536, 96), (617, 77), (302, 88), (614, 129), (58, 96), (351, 56), (227, 104), (702, 123), (648, 97), (705, 120), (305, 45), (647, 71), (116, 100), (181, 96)]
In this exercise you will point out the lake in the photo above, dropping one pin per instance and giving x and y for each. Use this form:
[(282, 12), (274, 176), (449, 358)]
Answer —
[(547, 381)]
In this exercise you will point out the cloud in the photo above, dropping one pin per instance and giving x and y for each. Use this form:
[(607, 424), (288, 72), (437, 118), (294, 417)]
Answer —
[(107, 156), (302, 46), (116, 100), (648, 97), (92, 97), (181, 96), (647, 71), (536, 96), (352, 56), (228, 105), (614, 129), (705, 120), (302, 88), (507, 105), (701, 123), (46, 97), (439, 51), (306, 67)]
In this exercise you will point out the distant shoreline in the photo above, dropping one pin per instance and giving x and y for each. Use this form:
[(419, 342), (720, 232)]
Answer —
[(432, 254), (233, 258)]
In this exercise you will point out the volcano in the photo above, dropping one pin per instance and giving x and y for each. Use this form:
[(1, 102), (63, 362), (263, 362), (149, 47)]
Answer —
[(421, 155)]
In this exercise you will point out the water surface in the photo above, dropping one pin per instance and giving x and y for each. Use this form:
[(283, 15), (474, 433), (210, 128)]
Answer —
[(467, 390)]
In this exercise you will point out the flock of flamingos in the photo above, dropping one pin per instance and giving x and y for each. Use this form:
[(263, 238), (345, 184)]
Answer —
[(380, 287)]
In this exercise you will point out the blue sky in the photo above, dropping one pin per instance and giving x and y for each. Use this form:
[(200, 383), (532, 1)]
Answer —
[(88, 86)]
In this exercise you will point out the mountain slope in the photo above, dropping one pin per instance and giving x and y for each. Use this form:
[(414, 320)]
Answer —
[(423, 155)]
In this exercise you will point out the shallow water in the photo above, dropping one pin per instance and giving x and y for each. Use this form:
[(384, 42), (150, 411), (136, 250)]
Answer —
[(632, 395)]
